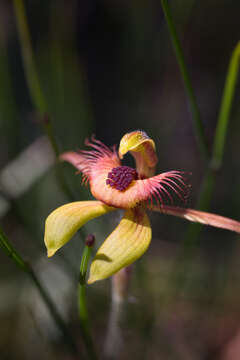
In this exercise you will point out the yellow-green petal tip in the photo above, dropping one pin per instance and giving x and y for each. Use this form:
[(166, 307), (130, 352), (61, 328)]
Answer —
[(50, 253), (91, 280), (125, 245), (66, 220)]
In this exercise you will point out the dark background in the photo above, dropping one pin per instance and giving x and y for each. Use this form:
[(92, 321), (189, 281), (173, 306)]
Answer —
[(108, 67)]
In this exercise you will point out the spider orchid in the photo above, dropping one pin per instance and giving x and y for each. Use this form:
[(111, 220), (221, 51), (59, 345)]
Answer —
[(121, 187)]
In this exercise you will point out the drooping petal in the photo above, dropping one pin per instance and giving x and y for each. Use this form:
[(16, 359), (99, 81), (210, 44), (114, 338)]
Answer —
[(64, 222), (126, 244), (143, 150), (199, 217)]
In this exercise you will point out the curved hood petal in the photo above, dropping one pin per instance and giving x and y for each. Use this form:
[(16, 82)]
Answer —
[(142, 149)]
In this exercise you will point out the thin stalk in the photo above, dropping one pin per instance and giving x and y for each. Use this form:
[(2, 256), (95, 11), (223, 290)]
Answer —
[(35, 89), (209, 180), (39, 102), (225, 108), (198, 125), (219, 142), (32, 79), (82, 303), (27, 54), (24, 266), (11, 252)]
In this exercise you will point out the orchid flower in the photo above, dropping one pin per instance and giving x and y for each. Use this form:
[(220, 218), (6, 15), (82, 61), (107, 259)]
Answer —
[(121, 187)]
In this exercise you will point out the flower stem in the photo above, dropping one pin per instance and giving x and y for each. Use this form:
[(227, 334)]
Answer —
[(198, 125), (225, 108), (32, 79), (24, 266), (27, 54), (219, 142), (204, 201), (82, 304), (35, 89)]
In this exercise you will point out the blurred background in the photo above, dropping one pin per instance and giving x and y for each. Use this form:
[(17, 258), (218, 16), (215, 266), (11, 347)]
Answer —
[(108, 67)]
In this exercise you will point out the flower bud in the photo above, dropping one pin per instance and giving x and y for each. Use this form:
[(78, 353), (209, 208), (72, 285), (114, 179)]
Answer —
[(90, 240)]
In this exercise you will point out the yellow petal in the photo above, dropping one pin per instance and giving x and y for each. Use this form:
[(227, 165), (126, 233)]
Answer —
[(64, 222), (143, 150), (126, 244)]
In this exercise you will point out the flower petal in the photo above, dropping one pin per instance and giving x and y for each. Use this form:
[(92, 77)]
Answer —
[(92, 163), (96, 165), (139, 190), (142, 149), (74, 158), (64, 222), (199, 217), (126, 244)]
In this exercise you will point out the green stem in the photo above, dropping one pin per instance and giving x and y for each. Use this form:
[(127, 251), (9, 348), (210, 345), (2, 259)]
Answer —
[(32, 79), (82, 304), (209, 180), (27, 54), (198, 125), (227, 99), (84, 264), (35, 89), (24, 266), (219, 142), (11, 252)]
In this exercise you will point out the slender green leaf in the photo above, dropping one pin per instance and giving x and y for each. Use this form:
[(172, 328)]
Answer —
[(225, 108), (198, 125), (24, 266)]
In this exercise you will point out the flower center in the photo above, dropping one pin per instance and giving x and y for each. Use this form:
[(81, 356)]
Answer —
[(121, 177)]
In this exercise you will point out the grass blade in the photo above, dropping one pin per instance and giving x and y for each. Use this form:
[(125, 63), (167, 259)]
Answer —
[(225, 108), (198, 125), (24, 266)]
